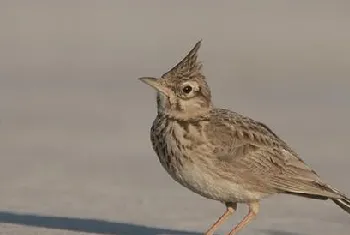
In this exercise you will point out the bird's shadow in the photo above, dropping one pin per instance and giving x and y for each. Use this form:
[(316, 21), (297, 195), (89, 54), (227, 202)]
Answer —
[(98, 226), (277, 232), (86, 225)]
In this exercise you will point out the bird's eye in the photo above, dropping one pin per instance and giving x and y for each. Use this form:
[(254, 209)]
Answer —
[(187, 89)]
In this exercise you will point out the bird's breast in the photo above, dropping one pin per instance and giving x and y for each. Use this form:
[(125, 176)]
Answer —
[(169, 142)]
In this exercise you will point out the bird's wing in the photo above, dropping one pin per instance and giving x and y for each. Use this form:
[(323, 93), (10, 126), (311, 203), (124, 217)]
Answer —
[(258, 152)]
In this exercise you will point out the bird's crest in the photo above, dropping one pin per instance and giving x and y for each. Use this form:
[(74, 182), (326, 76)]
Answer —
[(188, 66)]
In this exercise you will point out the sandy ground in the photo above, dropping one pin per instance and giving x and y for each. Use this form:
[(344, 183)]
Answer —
[(74, 120)]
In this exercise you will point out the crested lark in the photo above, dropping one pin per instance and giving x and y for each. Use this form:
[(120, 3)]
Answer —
[(223, 155)]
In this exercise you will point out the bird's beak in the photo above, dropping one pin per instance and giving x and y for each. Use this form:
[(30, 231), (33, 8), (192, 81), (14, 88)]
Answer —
[(155, 83)]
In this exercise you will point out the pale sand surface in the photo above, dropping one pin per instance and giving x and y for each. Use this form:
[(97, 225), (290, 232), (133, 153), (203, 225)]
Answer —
[(75, 154)]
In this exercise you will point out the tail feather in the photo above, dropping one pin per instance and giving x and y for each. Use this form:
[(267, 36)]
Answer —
[(320, 190), (343, 203)]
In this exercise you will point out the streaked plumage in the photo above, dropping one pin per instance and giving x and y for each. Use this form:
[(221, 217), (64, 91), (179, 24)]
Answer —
[(223, 155)]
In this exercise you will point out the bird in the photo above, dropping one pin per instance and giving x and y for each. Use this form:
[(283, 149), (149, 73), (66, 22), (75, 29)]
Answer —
[(223, 155)]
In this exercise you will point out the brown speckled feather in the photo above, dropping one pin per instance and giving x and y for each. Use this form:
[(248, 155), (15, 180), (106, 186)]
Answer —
[(253, 149)]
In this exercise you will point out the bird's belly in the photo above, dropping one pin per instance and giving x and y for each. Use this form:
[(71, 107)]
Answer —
[(209, 185), (204, 180)]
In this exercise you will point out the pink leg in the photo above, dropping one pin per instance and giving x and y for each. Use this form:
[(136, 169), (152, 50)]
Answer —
[(230, 209), (253, 211)]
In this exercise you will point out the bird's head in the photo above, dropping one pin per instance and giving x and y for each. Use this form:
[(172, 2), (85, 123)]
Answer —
[(182, 92)]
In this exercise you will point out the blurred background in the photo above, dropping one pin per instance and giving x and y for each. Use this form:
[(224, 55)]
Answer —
[(75, 153)]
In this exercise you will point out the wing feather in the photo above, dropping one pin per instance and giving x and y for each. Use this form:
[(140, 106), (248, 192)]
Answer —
[(256, 150)]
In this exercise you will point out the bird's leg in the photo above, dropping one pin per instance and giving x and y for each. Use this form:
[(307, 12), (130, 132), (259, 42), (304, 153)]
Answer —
[(253, 211), (230, 209)]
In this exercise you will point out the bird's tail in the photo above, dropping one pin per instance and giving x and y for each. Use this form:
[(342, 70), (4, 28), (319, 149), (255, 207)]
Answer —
[(343, 203)]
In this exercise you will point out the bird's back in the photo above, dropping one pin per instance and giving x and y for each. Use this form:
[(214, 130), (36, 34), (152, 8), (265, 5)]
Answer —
[(253, 149)]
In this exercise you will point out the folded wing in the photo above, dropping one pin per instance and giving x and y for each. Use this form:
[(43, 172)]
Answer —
[(258, 153)]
